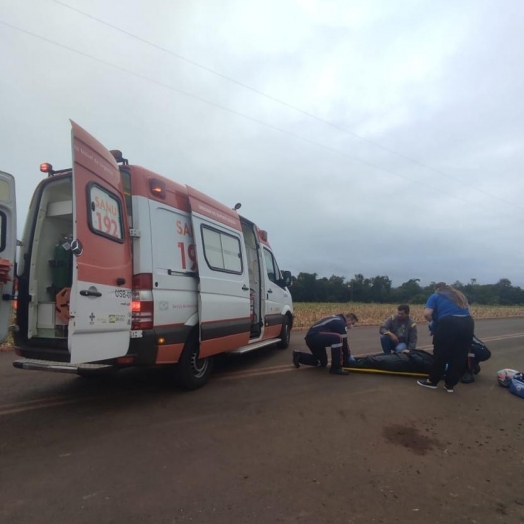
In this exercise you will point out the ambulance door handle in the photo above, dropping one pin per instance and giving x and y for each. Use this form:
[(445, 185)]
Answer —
[(270, 290), (120, 281), (90, 293), (244, 288)]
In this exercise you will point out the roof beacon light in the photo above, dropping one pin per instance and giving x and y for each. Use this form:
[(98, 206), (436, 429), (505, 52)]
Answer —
[(46, 167), (119, 158)]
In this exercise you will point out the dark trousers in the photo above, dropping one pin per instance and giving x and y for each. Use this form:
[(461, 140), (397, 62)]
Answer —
[(318, 343), (451, 344)]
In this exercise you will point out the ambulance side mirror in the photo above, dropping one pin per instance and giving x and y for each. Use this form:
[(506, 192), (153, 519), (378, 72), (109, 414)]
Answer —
[(286, 279)]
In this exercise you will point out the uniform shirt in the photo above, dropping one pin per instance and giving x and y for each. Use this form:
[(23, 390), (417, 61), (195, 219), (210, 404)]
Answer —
[(443, 306), (332, 324)]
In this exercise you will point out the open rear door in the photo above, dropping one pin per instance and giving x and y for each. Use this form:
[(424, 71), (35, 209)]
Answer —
[(7, 249), (223, 302), (100, 304)]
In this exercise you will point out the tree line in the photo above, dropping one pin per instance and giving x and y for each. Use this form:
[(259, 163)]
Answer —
[(308, 287)]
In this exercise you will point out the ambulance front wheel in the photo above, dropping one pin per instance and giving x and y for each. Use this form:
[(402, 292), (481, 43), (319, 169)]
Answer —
[(192, 372), (285, 334)]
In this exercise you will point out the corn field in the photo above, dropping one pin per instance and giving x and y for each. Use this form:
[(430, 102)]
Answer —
[(307, 313)]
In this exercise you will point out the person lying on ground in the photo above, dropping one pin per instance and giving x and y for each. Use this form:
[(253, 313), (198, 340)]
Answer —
[(420, 361)]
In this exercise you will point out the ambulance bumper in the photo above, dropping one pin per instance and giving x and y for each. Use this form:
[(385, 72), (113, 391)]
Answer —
[(62, 367)]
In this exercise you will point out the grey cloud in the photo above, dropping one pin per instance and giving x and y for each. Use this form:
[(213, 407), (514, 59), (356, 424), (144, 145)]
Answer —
[(437, 82)]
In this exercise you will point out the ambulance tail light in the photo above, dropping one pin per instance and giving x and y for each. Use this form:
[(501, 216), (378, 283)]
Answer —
[(142, 308)]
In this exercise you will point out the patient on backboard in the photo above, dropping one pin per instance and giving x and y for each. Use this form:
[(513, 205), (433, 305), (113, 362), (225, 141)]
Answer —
[(419, 361)]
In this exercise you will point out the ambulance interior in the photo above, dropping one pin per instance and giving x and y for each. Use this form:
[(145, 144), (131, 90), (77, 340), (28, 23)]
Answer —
[(50, 270)]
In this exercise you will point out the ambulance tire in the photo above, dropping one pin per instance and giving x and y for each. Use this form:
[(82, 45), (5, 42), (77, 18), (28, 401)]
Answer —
[(285, 334), (192, 372)]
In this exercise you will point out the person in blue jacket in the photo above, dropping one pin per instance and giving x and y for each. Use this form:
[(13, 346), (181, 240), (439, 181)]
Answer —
[(328, 333), (452, 326)]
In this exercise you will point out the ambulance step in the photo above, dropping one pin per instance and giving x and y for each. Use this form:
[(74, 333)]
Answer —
[(60, 367), (254, 345)]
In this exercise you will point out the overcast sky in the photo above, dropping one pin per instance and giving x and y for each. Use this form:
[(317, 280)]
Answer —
[(380, 137)]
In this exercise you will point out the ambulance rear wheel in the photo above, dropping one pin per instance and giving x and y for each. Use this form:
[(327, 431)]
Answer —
[(192, 372), (285, 334)]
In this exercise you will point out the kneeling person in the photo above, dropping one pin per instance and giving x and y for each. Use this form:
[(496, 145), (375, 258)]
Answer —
[(328, 333), (398, 332)]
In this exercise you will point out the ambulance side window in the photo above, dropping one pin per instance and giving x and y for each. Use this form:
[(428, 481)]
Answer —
[(273, 273), (105, 213), (222, 250)]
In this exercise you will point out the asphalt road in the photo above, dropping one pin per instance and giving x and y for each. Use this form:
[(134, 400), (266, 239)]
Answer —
[(264, 442)]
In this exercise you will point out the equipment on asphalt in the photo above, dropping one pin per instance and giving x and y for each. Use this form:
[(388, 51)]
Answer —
[(504, 377)]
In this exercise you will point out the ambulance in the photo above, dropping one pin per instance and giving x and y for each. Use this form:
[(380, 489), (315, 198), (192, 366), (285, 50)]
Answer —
[(119, 266)]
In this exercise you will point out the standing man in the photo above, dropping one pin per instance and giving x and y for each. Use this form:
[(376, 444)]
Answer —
[(398, 332), (328, 333)]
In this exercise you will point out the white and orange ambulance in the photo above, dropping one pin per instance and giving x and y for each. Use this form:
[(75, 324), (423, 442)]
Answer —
[(119, 266)]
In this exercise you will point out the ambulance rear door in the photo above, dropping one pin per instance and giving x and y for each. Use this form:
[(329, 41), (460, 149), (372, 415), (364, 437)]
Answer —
[(7, 249), (100, 305), (223, 301)]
